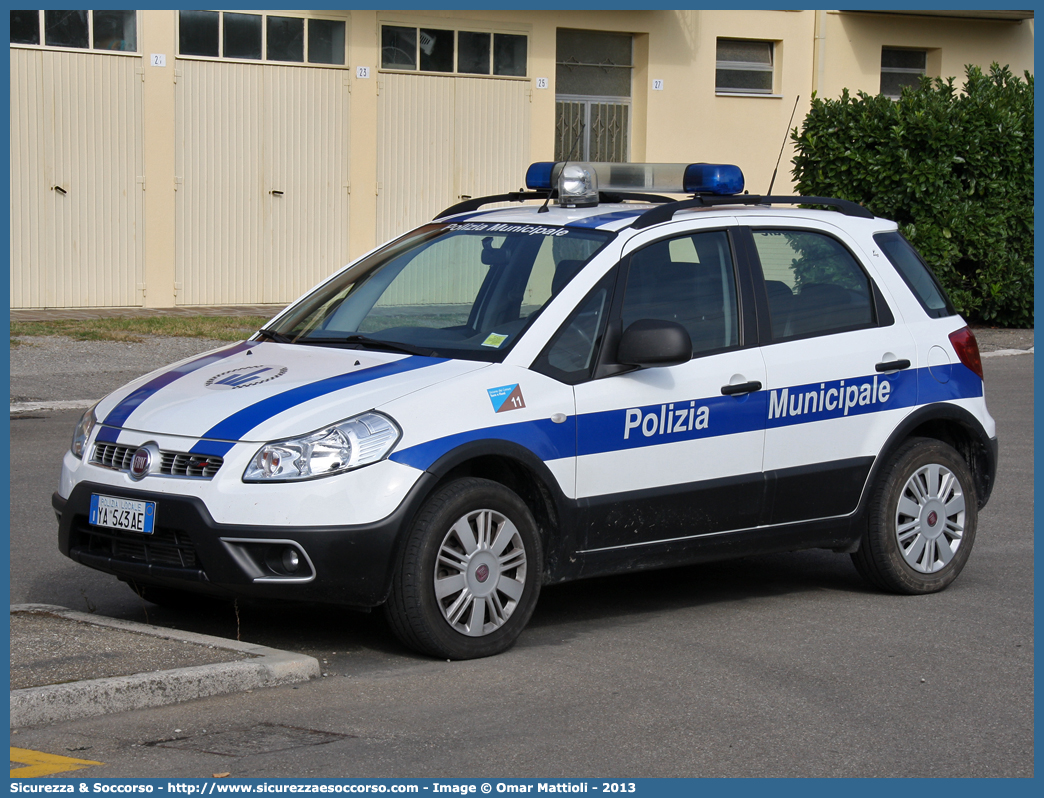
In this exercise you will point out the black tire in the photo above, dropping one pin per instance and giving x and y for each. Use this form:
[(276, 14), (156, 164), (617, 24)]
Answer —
[(507, 583), (922, 519)]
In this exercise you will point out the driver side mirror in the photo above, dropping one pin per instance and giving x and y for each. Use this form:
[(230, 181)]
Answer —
[(651, 343)]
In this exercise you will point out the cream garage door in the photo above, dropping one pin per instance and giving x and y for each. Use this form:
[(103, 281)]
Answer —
[(262, 181), (439, 138), (76, 180)]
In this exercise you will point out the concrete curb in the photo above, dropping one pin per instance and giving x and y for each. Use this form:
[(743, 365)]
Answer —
[(33, 706), (1007, 352), (54, 404)]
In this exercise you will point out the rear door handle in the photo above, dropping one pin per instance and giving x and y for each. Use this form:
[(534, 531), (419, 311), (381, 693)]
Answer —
[(893, 365), (743, 387)]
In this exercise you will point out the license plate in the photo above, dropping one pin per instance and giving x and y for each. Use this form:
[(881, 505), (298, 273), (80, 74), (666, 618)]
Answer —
[(127, 514)]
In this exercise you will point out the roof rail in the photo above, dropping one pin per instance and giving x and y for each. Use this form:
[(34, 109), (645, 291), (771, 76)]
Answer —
[(478, 202), (520, 196), (666, 212)]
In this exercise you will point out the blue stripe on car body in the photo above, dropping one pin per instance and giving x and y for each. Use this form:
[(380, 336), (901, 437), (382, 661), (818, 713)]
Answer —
[(602, 432), (117, 417), (546, 439), (220, 438)]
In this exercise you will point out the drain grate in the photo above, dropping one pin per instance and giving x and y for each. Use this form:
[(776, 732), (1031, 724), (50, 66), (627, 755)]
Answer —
[(265, 738)]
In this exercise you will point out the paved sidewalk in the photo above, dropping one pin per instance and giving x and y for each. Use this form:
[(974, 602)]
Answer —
[(67, 665)]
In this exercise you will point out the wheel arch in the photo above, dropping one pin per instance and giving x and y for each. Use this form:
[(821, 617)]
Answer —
[(521, 471), (954, 426)]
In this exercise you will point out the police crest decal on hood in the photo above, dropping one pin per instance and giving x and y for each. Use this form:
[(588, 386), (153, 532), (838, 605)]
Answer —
[(244, 377)]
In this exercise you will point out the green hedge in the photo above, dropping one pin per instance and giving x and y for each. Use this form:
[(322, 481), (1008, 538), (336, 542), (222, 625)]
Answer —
[(954, 169)]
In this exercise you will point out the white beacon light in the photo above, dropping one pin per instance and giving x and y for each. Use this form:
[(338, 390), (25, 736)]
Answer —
[(577, 186)]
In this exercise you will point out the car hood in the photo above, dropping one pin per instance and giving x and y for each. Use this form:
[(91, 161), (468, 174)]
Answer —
[(254, 391)]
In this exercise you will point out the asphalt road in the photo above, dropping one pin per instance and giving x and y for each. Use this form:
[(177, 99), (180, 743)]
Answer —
[(784, 665)]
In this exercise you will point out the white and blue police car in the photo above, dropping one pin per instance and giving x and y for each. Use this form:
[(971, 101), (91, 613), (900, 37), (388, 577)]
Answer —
[(587, 378)]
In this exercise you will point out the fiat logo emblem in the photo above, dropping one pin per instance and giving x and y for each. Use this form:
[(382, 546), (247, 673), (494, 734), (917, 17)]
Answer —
[(482, 573), (932, 518), (141, 463)]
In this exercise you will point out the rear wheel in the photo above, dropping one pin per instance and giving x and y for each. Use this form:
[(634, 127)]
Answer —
[(469, 575), (923, 515)]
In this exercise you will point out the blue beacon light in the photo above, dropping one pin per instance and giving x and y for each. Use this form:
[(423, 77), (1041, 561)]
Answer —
[(538, 176), (713, 178)]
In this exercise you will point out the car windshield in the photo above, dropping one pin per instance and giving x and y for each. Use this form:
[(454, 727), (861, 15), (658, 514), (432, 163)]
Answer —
[(464, 290)]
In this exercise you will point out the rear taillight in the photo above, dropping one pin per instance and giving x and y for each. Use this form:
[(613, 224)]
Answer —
[(967, 349)]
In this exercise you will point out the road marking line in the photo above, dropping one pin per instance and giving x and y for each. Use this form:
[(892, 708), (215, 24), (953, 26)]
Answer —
[(41, 764)]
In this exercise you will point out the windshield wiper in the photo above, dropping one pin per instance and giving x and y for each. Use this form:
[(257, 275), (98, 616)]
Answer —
[(366, 341), (377, 343), (278, 337)]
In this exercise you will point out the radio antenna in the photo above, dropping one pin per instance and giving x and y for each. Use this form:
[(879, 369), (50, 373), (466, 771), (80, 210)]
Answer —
[(773, 180), (565, 163)]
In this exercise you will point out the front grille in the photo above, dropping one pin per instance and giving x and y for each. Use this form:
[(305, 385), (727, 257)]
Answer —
[(189, 465), (173, 464), (167, 547), (110, 455)]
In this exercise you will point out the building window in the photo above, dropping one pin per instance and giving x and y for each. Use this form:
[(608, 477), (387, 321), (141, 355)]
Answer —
[(461, 52), (242, 36), (593, 95), (286, 39), (82, 30), (325, 41), (261, 37), (743, 67), (901, 68)]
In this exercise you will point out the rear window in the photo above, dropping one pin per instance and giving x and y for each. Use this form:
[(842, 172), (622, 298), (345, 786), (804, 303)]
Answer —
[(916, 274)]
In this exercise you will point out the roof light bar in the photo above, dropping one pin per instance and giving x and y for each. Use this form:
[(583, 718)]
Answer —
[(672, 178)]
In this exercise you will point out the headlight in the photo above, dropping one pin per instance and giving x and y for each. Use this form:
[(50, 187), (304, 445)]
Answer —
[(83, 431), (356, 442)]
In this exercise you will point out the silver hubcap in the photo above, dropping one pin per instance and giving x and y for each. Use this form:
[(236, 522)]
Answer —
[(929, 522), (480, 573)]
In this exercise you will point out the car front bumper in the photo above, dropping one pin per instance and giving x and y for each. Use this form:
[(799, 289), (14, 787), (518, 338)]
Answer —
[(345, 565)]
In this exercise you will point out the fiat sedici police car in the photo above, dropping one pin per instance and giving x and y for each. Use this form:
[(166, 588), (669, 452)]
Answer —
[(595, 378)]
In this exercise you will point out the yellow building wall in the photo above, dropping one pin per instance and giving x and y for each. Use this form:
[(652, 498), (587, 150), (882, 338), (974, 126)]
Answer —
[(823, 51), (852, 44)]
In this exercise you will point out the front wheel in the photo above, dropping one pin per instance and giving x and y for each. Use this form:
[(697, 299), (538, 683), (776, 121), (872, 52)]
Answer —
[(469, 575), (923, 514)]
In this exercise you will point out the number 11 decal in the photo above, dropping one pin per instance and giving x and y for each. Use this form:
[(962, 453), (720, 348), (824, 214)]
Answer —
[(506, 397)]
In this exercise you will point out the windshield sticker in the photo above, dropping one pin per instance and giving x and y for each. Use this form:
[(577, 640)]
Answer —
[(528, 229), (494, 340), (506, 397), (244, 377)]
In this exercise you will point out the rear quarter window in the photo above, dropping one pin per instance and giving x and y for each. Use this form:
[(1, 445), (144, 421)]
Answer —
[(916, 274)]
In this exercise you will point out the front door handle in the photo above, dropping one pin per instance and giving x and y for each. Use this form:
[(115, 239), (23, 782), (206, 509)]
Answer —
[(893, 365), (743, 387)]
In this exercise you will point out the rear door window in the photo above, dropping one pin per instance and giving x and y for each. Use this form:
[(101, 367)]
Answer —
[(814, 284)]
